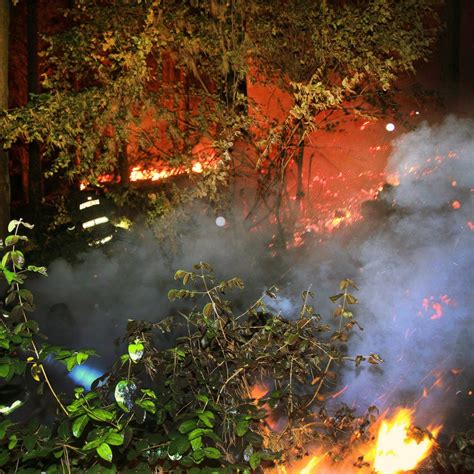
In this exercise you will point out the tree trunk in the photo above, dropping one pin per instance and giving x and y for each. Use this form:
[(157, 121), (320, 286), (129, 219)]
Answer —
[(4, 170), (123, 165), (35, 174), (299, 159)]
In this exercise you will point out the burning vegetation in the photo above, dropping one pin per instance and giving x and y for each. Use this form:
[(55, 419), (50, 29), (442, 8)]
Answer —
[(168, 111), (234, 392)]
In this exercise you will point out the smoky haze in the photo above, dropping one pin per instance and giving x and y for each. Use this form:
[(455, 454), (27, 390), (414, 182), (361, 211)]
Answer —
[(413, 261)]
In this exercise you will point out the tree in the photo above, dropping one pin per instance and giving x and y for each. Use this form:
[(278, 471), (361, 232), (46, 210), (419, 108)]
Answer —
[(105, 108), (35, 175), (340, 61), (4, 172)]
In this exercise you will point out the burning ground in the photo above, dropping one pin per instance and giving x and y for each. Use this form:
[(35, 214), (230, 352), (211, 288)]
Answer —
[(411, 256)]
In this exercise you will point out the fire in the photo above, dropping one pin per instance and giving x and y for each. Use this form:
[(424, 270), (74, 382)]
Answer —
[(258, 391), (313, 462), (395, 450), (399, 447), (157, 174), (160, 172)]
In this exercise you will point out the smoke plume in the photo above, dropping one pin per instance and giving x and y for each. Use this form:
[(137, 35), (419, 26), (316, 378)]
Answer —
[(413, 261)]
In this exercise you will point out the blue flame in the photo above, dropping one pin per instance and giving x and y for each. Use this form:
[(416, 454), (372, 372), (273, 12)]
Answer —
[(84, 375)]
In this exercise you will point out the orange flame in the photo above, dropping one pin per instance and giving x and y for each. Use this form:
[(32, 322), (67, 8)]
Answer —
[(258, 391), (395, 450)]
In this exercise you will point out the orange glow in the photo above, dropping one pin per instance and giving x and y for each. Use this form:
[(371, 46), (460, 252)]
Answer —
[(456, 205), (399, 447), (160, 172), (197, 167), (436, 304), (438, 311), (395, 450), (258, 391), (308, 465), (393, 179), (138, 174), (156, 174), (340, 392), (313, 462)]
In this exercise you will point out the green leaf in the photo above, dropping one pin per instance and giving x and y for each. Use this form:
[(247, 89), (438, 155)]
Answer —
[(12, 240), (202, 398), (4, 425), (197, 433), (242, 427), (114, 438), (63, 430), (136, 350), (4, 370), (187, 426), (198, 455), (26, 295), (207, 418), (82, 357), (254, 460), (71, 363), (4, 457), (179, 446), (12, 224), (212, 453), (100, 414), (40, 270), (79, 425), (11, 276), (124, 393), (18, 259), (196, 443), (105, 452), (147, 405), (93, 444), (13, 440), (253, 438), (29, 441)]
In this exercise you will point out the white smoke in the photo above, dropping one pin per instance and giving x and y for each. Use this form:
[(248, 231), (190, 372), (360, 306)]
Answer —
[(410, 263)]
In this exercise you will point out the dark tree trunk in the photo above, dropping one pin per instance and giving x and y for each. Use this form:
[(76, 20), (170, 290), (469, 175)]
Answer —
[(123, 165), (299, 159), (4, 170), (452, 47), (35, 194)]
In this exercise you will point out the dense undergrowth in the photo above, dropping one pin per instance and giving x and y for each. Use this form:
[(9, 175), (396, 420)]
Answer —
[(192, 407)]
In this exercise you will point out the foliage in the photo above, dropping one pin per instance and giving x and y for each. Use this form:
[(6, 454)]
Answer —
[(458, 454), (339, 61), (230, 393), (190, 407), (131, 82)]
